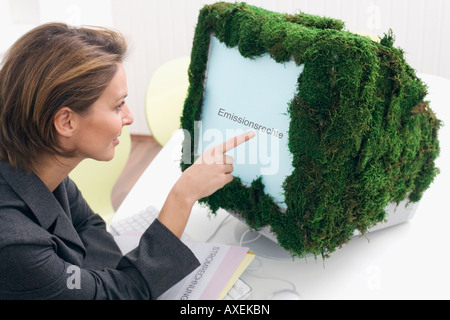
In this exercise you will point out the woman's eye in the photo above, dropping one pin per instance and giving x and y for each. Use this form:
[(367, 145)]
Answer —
[(120, 105)]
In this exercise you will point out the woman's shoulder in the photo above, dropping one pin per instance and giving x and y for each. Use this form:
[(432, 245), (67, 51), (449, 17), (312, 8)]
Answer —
[(17, 221), (18, 225), (8, 197)]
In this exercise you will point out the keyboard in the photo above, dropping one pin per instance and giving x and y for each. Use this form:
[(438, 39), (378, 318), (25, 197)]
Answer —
[(138, 222)]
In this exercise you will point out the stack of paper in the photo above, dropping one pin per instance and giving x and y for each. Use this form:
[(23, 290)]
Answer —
[(221, 266)]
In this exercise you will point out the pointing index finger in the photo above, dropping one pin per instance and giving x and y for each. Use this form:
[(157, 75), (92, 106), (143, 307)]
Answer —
[(235, 141)]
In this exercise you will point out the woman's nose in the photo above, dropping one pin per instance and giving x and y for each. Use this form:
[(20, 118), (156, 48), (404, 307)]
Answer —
[(127, 118)]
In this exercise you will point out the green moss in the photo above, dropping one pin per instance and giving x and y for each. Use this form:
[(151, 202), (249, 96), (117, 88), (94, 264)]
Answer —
[(361, 134)]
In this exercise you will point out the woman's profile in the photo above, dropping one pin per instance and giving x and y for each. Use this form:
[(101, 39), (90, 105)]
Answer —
[(63, 99)]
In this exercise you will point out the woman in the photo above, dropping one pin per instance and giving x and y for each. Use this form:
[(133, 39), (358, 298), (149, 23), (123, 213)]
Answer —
[(62, 100)]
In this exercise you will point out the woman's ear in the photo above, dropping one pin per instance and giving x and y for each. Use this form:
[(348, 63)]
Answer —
[(64, 122)]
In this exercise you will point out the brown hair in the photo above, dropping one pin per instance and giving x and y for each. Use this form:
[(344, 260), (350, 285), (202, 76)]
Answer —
[(52, 66)]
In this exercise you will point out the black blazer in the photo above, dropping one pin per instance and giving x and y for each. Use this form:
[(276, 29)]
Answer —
[(52, 246)]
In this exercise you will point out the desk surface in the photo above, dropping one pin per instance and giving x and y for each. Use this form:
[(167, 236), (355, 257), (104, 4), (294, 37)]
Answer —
[(407, 261)]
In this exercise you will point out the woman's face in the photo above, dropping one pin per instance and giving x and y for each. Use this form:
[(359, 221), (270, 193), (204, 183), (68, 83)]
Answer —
[(98, 131)]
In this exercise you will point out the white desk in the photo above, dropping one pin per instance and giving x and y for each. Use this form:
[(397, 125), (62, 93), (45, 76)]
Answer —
[(407, 261)]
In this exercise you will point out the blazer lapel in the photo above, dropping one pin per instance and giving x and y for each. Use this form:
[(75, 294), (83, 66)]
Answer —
[(52, 210)]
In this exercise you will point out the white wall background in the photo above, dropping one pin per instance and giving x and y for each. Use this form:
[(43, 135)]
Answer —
[(161, 30)]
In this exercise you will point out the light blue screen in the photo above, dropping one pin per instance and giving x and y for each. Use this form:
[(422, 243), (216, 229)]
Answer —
[(243, 94)]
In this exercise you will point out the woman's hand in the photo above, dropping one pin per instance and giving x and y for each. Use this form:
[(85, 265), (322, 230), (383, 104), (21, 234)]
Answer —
[(211, 172)]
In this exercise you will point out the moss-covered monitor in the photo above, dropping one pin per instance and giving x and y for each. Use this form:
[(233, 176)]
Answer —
[(358, 134)]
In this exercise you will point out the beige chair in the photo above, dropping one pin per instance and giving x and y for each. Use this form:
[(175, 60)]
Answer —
[(165, 97)]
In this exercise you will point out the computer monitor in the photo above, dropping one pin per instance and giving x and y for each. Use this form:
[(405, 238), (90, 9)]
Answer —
[(344, 139)]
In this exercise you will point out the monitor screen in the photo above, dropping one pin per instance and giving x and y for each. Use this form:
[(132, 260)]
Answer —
[(243, 94)]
